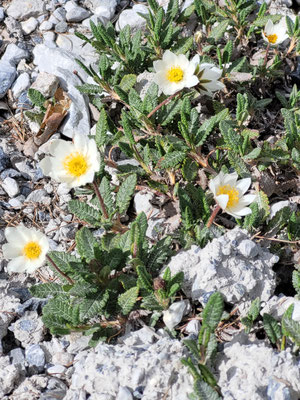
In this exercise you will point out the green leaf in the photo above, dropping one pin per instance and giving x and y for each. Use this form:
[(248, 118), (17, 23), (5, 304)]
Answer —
[(106, 194), (170, 160), (213, 311), (62, 307), (90, 308), (272, 328), (127, 128), (125, 193), (85, 243), (62, 260), (183, 45), (204, 391), (44, 290), (193, 347), (128, 299), (36, 98), (290, 327), (218, 31), (127, 82), (150, 303), (190, 170), (296, 280), (144, 278), (254, 310), (101, 129), (84, 212), (89, 88)]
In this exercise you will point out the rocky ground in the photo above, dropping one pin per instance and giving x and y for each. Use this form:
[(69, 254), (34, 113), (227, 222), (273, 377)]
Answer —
[(38, 50)]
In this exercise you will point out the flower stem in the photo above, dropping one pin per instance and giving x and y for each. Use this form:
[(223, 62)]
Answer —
[(102, 205), (266, 55), (59, 270), (162, 104), (213, 215)]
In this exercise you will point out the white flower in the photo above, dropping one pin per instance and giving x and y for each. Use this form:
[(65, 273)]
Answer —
[(208, 76), (26, 248), (72, 163), (174, 73), (229, 194), (275, 34)]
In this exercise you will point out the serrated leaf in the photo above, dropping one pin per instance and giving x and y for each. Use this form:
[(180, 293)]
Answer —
[(36, 98), (106, 194), (90, 308), (84, 212), (290, 327), (254, 310), (44, 290), (127, 82), (205, 391), (144, 278), (85, 242), (125, 193), (190, 170), (272, 328), (218, 31), (170, 160), (213, 311), (128, 299), (150, 303), (183, 45), (101, 129), (193, 347)]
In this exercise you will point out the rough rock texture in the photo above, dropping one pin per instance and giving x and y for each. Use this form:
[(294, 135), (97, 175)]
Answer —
[(29, 329), (9, 374), (253, 370), (8, 308), (148, 369), (23, 9), (232, 264)]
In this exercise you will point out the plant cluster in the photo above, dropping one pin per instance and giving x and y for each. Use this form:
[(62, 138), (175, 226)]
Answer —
[(212, 111)]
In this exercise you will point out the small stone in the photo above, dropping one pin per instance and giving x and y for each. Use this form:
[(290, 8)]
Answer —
[(35, 356), (132, 18), (10, 186), (56, 370), (9, 375), (2, 16), (63, 358), (24, 103), (46, 83), (75, 13), (29, 329), (61, 27), (124, 394), (14, 54), (23, 9), (8, 74), (296, 311), (17, 356), (38, 196), (29, 25), (174, 314), (105, 10), (4, 161), (193, 327), (16, 202), (248, 248), (22, 83), (46, 26)]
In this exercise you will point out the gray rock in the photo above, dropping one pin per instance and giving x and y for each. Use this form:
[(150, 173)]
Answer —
[(143, 82), (221, 267), (78, 343), (277, 305), (17, 357), (124, 394), (257, 364), (63, 358), (4, 161), (275, 207), (14, 27), (62, 65), (38, 196), (29, 329), (10, 186), (46, 25), (33, 387), (2, 16), (193, 327), (76, 14), (58, 15), (23, 9), (277, 390), (61, 27), (35, 356), (131, 17), (8, 74), (46, 83), (29, 25), (104, 10), (57, 370), (9, 375), (17, 202), (248, 248), (8, 308), (148, 369), (22, 83), (14, 54)]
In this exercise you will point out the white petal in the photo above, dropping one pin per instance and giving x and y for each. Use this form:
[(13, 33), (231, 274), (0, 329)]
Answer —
[(222, 200), (230, 179), (46, 166), (170, 57), (158, 65), (11, 251), (196, 59), (16, 265), (16, 234), (243, 185), (240, 213), (81, 143), (269, 27), (248, 198), (191, 81)]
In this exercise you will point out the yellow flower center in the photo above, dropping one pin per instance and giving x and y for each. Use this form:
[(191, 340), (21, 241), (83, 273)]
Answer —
[(175, 74), (232, 193), (272, 38), (32, 250), (75, 164)]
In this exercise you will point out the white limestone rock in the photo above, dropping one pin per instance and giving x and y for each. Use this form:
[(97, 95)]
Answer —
[(14, 54), (22, 83), (29, 329), (29, 25), (8, 74), (175, 313), (256, 371), (132, 18), (9, 375), (62, 65), (46, 84), (23, 9), (222, 267)]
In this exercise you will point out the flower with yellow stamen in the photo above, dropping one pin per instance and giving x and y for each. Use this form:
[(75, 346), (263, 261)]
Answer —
[(229, 193), (275, 34), (73, 163), (27, 249), (174, 72), (208, 76)]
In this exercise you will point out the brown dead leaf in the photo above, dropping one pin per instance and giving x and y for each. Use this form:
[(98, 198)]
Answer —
[(53, 118)]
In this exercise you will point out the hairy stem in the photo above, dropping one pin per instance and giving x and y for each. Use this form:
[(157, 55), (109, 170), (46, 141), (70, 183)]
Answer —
[(213, 215), (266, 55), (162, 104), (59, 270), (102, 205)]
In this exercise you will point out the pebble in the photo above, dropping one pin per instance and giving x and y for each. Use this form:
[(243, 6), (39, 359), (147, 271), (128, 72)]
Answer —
[(2, 15), (63, 358), (132, 18), (46, 83), (22, 83), (75, 13), (124, 394), (46, 26), (17, 356), (38, 196), (4, 161), (29, 25), (10, 186), (61, 27), (23, 9), (248, 248), (105, 10), (35, 356), (193, 327), (14, 54), (8, 74), (56, 370), (174, 314)]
